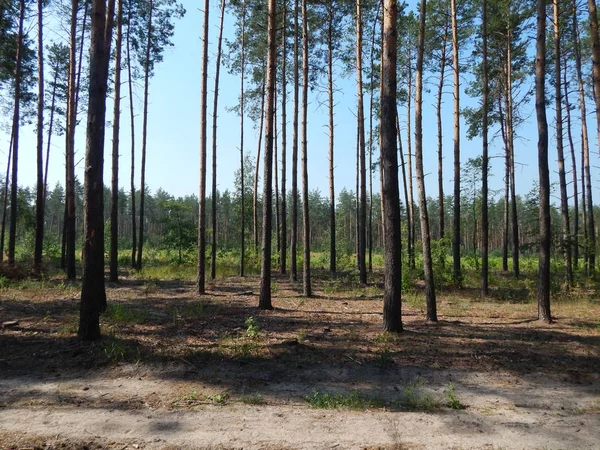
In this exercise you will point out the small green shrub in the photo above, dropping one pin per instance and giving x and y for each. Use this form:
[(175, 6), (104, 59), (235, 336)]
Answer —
[(253, 328), (451, 398)]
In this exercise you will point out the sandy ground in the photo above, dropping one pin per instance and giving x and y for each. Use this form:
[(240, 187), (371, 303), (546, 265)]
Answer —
[(141, 409)]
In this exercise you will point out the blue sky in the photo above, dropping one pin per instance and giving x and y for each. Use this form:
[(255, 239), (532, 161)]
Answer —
[(174, 117)]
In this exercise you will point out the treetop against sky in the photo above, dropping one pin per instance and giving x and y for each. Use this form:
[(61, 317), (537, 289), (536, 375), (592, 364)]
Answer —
[(174, 117)]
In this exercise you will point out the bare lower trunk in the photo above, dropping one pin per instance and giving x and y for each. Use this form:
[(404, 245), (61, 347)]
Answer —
[(242, 99), (200, 284), (332, 241), (575, 236), (543, 293), (307, 288), (265, 266), (425, 233), (256, 170), (40, 199), (114, 207), (294, 236), (132, 125), (392, 312), (564, 201), (484, 162), (456, 238), (284, 143), (213, 259), (593, 15), (93, 294), (138, 263), (410, 206)]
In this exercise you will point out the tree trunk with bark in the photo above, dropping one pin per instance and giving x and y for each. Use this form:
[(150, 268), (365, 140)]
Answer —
[(93, 294), (543, 294), (456, 238), (69, 223), (294, 235), (332, 240), (200, 285), (40, 200), (362, 207), (138, 263), (114, 193), (283, 261), (265, 266), (392, 313), (425, 232), (307, 288), (485, 226), (562, 177), (213, 258), (242, 100), (132, 125)]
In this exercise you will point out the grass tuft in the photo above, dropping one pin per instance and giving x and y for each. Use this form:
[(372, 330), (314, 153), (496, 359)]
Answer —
[(353, 400)]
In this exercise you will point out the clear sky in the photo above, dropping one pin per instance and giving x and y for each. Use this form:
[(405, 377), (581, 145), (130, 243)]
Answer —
[(174, 117)]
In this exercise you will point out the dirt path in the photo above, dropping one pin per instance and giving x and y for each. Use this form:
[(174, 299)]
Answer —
[(141, 410)]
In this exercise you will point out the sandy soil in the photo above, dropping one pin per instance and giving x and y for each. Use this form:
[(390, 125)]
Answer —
[(184, 376)]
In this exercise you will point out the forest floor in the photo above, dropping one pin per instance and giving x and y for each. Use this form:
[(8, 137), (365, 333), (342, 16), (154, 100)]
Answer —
[(176, 370)]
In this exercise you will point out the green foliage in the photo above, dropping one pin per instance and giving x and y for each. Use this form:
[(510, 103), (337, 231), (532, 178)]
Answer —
[(452, 400), (253, 328), (353, 400)]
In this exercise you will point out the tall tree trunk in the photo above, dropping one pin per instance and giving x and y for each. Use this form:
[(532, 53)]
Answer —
[(425, 233), (332, 240), (69, 224), (138, 263), (439, 138), (5, 198), (371, 112), (213, 258), (362, 215), (543, 293), (276, 175), (485, 226), (12, 230), (50, 129), (404, 182), (410, 206), (591, 245), (132, 125), (564, 200), (284, 142), (506, 206), (242, 100), (200, 287), (93, 294), (511, 154), (294, 236), (256, 170), (456, 239), (271, 75), (305, 216), (392, 313), (114, 193), (40, 200), (575, 236)]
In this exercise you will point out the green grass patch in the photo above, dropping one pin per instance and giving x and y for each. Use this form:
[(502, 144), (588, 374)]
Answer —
[(415, 398), (253, 399), (353, 400), (117, 312)]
